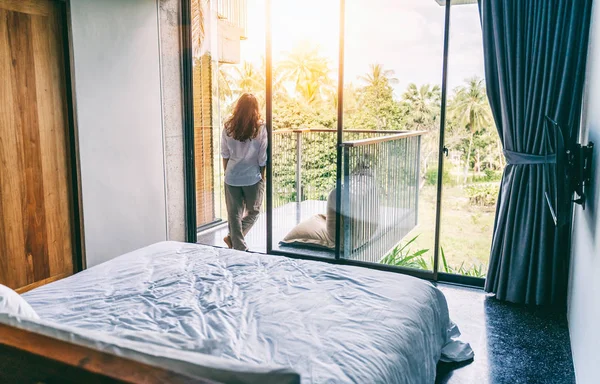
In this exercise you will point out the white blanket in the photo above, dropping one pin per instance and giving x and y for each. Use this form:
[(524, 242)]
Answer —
[(330, 323)]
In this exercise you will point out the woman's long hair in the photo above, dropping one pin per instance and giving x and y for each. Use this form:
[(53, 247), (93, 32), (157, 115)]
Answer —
[(244, 123)]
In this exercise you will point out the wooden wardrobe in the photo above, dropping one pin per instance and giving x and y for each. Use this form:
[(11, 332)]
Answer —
[(38, 193)]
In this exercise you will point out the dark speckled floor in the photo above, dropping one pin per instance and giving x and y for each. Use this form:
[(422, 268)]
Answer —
[(513, 344)]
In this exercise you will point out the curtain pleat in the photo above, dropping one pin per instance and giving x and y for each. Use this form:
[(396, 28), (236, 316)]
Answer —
[(535, 56)]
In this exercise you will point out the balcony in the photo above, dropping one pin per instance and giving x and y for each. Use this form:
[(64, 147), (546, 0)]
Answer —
[(235, 13), (379, 191)]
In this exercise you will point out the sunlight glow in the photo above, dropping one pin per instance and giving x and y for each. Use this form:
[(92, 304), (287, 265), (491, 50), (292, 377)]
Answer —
[(405, 36)]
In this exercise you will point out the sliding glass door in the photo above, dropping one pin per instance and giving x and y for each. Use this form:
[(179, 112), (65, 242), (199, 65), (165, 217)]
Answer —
[(375, 156), (304, 66), (392, 87), (228, 45), (355, 142), (474, 161)]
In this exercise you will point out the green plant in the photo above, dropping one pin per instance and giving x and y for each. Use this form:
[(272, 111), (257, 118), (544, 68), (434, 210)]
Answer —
[(446, 269), (474, 271), (402, 256), (490, 176), (483, 194), (431, 177)]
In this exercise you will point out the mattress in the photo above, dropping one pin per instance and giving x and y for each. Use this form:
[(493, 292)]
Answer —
[(330, 323)]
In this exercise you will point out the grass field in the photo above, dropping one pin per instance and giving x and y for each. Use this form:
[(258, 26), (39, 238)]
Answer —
[(466, 230)]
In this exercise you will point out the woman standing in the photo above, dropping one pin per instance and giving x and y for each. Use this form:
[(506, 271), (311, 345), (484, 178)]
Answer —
[(244, 152)]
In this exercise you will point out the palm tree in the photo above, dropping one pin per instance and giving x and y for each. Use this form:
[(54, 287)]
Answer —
[(249, 79), (379, 76), (351, 99), (225, 81), (422, 108), (423, 105), (309, 72), (470, 108), (197, 26), (277, 80)]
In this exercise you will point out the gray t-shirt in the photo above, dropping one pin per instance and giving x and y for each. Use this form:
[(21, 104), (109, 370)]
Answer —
[(245, 158)]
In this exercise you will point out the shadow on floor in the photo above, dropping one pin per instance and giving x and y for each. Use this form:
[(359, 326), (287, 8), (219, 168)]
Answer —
[(285, 218), (512, 343)]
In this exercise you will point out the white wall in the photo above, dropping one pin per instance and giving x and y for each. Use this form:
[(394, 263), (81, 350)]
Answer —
[(584, 287), (119, 119)]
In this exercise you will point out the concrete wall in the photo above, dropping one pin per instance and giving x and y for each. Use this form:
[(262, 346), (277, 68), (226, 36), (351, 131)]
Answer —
[(584, 286), (170, 35), (119, 116)]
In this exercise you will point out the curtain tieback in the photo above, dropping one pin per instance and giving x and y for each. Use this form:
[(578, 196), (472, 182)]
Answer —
[(520, 158)]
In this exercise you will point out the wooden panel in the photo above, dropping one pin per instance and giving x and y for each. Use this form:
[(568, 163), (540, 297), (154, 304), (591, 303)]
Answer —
[(31, 7), (66, 204), (11, 177), (42, 282), (27, 357), (35, 200), (49, 71), (203, 141), (27, 125)]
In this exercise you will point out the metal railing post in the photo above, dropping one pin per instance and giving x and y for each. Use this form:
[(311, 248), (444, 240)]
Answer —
[(269, 123), (299, 166), (346, 204), (417, 179)]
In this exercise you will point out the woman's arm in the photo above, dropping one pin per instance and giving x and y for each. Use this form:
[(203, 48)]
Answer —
[(224, 148), (262, 153)]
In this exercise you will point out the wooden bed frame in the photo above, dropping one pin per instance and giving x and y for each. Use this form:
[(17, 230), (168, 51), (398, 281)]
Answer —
[(27, 357)]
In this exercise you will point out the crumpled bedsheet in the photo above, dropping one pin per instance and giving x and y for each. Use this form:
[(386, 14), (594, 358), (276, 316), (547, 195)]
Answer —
[(330, 323)]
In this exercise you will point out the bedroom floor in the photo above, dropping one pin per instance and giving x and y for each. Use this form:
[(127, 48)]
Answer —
[(284, 219), (512, 344)]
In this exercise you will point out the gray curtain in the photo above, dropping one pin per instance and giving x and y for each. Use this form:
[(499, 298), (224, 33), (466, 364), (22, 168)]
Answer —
[(535, 54)]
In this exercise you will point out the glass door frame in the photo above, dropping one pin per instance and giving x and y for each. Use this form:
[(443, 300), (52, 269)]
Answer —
[(189, 155)]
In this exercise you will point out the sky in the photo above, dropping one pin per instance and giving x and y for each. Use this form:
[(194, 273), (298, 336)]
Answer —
[(405, 36)]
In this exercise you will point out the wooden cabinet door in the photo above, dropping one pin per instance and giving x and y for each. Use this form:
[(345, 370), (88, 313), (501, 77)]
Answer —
[(35, 173)]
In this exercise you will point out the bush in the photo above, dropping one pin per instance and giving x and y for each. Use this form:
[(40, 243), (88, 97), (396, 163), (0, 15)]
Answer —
[(431, 177), (403, 256), (473, 271), (483, 194), (490, 176)]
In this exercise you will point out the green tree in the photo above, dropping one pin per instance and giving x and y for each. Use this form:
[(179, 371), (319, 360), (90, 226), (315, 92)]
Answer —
[(378, 77), (421, 110), (310, 74), (225, 83), (249, 78), (421, 106), (378, 110), (471, 111), (351, 103)]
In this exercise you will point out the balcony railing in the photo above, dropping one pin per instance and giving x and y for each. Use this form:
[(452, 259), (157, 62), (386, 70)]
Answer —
[(380, 194), (235, 12), (380, 182)]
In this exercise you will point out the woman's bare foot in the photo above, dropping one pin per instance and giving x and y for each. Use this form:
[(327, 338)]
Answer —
[(227, 240)]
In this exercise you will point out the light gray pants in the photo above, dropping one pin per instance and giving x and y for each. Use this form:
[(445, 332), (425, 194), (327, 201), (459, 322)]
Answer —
[(243, 208)]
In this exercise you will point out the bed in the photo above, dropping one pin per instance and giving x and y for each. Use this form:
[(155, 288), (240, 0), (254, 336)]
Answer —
[(328, 323)]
